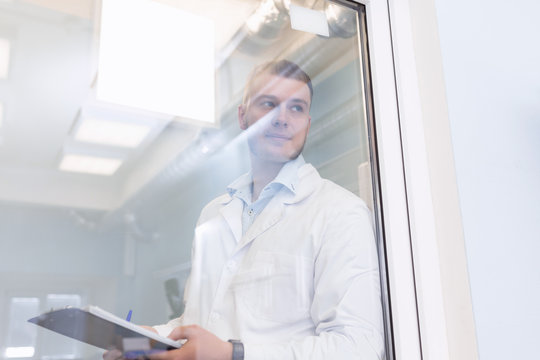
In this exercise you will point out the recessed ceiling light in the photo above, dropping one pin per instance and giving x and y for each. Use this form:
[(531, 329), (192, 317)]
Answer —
[(89, 164), (4, 57), (112, 133), (165, 66)]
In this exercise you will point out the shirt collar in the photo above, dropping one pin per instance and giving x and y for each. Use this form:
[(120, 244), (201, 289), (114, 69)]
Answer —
[(287, 177)]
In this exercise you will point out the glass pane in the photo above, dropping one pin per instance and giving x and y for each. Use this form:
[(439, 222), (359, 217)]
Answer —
[(154, 146), (52, 345), (21, 336)]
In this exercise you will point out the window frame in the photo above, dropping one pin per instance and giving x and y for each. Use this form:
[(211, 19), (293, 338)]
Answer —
[(430, 304), (402, 326)]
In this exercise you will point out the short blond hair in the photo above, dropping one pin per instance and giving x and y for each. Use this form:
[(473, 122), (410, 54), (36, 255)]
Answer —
[(283, 68)]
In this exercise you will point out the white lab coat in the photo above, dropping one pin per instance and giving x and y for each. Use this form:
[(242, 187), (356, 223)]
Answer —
[(301, 283)]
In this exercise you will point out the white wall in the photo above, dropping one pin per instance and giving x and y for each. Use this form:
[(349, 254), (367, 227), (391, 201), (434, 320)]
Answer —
[(491, 62)]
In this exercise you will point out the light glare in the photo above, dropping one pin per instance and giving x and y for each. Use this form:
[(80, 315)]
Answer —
[(111, 133), (157, 58), (89, 164)]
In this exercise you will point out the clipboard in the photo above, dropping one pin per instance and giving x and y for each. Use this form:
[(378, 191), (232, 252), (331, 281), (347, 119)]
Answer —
[(97, 327)]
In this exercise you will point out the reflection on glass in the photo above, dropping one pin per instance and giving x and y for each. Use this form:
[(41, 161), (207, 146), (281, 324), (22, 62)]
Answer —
[(129, 223)]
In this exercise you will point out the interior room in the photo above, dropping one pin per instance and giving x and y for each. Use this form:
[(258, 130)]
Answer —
[(113, 141)]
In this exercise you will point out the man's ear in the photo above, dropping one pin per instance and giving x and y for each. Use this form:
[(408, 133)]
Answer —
[(242, 121)]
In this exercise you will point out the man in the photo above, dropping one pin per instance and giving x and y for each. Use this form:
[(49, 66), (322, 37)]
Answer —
[(285, 262)]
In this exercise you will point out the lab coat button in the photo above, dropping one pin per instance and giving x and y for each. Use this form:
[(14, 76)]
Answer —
[(231, 265)]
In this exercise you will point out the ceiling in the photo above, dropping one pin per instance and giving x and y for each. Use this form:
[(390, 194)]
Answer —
[(52, 68), (51, 82)]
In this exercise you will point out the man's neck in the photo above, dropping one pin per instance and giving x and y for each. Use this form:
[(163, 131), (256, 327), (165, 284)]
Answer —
[(263, 173)]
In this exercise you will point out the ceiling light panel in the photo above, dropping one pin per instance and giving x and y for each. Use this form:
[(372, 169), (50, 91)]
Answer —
[(111, 133), (157, 58), (89, 164)]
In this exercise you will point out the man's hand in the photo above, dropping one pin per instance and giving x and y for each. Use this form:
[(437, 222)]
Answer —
[(201, 345), (117, 354)]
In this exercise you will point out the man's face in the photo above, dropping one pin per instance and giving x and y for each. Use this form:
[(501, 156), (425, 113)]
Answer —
[(279, 108)]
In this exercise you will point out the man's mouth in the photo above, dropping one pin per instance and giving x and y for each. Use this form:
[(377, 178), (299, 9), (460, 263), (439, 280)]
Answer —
[(278, 136)]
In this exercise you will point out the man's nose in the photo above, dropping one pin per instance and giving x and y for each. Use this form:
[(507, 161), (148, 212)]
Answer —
[(280, 116)]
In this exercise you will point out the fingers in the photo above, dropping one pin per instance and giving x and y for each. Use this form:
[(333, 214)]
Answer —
[(159, 356), (112, 355), (178, 354), (149, 328), (184, 332), (186, 351), (200, 344)]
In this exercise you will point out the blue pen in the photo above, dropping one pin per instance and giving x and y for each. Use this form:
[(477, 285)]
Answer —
[(128, 318)]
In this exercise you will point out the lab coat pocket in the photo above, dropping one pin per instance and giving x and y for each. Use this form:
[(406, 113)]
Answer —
[(275, 287)]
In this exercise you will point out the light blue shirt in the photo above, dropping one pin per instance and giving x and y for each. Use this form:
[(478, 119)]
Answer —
[(242, 188)]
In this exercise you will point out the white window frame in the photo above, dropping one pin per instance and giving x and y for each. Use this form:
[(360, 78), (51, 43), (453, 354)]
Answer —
[(431, 308)]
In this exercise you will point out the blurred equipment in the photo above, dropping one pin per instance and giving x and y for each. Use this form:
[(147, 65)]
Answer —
[(341, 20), (263, 27), (172, 291)]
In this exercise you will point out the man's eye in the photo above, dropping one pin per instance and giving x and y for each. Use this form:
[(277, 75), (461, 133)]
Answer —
[(297, 108), (267, 104)]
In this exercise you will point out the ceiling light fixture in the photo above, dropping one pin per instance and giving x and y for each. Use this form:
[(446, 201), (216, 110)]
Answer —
[(89, 164), (111, 133), (158, 58)]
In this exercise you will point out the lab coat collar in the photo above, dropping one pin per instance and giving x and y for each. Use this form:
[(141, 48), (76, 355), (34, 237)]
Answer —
[(288, 175), (308, 181)]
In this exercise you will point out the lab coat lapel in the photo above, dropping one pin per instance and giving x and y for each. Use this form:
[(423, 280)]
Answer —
[(232, 213), (270, 216), (274, 212)]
